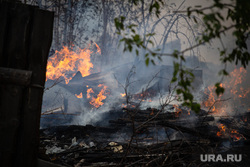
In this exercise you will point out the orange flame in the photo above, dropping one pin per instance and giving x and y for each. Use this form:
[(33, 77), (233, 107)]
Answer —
[(98, 48), (90, 90), (123, 94), (236, 78), (65, 63), (236, 136), (244, 92), (211, 98), (124, 106), (222, 130), (97, 102), (244, 119), (177, 110), (79, 96)]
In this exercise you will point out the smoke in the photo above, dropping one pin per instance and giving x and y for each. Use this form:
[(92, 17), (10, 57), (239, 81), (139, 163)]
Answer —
[(125, 72)]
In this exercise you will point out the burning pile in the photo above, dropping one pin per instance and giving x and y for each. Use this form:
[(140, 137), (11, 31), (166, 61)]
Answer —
[(66, 63), (226, 132), (97, 101), (234, 100), (234, 91), (156, 133)]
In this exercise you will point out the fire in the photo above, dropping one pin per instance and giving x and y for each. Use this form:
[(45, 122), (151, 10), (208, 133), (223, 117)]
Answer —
[(222, 130), (65, 63), (237, 76), (211, 98), (97, 101), (123, 94), (244, 93), (124, 106), (234, 134), (79, 96), (90, 90), (144, 96), (234, 90), (177, 110), (98, 48)]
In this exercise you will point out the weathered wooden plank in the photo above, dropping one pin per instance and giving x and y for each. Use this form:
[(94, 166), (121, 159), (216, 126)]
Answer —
[(17, 36), (3, 27), (15, 76), (40, 41), (14, 56)]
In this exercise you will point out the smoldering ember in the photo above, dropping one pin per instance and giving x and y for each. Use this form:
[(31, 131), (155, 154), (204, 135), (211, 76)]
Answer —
[(111, 98)]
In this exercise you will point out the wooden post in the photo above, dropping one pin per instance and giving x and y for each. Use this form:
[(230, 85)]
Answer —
[(25, 40)]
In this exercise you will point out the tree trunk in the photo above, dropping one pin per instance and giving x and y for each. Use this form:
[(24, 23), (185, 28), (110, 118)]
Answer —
[(66, 19), (104, 34)]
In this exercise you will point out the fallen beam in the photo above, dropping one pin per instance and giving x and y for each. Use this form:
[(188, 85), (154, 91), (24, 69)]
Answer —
[(15, 76), (191, 131)]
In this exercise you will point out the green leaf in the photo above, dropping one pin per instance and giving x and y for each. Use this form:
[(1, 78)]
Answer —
[(189, 11), (175, 54), (147, 61), (130, 47), (219, 15), (150, 34), (174, 79), (123, 18), (153, 62), (151, 42), (137, 52), (195, 20), (176, 70), (132, 26), (178, 91), (182, 58), (159, 57), (196, 107), (223, 72), (223, 52), (136, 38), (219, 89)]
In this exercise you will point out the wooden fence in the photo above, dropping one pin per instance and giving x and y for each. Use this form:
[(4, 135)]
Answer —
[(25, 39)]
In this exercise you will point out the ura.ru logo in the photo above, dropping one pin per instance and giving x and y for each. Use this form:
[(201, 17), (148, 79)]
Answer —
[(220, 158)]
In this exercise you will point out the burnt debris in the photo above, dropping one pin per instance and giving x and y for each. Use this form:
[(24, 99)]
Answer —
[(170, 139)]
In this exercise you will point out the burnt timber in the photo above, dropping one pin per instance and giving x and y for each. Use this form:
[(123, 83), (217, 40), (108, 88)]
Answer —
[(110, 146)]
